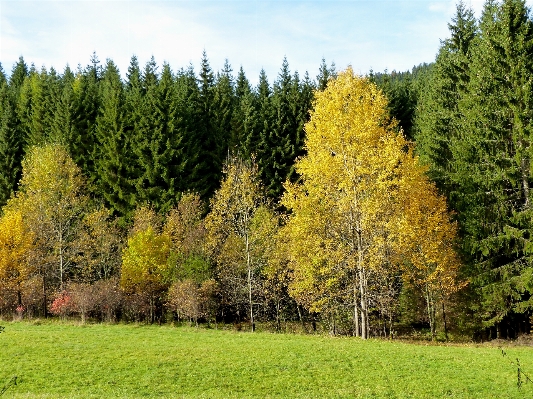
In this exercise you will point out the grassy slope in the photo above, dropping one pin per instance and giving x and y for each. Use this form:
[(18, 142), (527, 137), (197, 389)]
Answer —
[(125, 361)]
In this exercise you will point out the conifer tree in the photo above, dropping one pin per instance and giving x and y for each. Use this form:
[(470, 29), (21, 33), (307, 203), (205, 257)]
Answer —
[(114, 146), (438, 114), (18, 74), (324, 74), (82, 143), (188, 111), (207, 171), (492, 161), (63, 123), (281, 138), (11, 145)]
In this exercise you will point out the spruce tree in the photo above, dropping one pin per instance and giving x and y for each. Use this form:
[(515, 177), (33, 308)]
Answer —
[(492, 153), (437, 114), (207, 171), (188, 118), (223, 108), (11, 145), (113, 154), (63, 122), (82, 142), (282, 138)]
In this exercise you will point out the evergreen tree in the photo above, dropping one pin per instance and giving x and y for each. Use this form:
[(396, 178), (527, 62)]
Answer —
[(18, 74), (35, 106), (112, 162), (258, 140), (244, 121), (437, 112), (208, 168), (492, 152), (86, 97), (324, 74), (223, 105), (188, 118), (11, 145), (282, 137), (63, 123), (158, 150)]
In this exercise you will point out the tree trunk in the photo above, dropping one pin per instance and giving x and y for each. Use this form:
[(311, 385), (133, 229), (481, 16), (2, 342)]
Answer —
[(45, 313), (249, 265), (444, 321), (431, 312), (362, 287), (355, 311), (364, 310)]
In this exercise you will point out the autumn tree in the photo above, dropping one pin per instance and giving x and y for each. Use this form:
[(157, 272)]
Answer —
[(145, 268), (185, 228), (100, 244), (52, 201), (15, 244), (357, 177), (229, 228)]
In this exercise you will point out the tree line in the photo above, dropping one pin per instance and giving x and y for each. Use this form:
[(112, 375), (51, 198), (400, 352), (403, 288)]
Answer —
[(158, 133), (200, 197), (361, 223)]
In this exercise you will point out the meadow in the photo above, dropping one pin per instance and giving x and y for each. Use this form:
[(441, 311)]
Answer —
[(65, 360)]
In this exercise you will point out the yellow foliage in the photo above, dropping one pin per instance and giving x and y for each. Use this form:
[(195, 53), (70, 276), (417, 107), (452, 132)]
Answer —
[(364, 201), (15, 243), (145, 266)]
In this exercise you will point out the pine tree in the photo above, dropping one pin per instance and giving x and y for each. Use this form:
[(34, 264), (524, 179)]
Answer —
[(158, 150), (223, 106), (188, 118), (63, 122), (18, 74), (324, 75), (244, 121)]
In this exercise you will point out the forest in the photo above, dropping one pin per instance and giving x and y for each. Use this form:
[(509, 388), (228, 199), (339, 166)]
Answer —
[(391, 204)]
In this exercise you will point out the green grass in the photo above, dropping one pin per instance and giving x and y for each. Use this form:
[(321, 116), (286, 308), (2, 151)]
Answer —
[(60, 360)]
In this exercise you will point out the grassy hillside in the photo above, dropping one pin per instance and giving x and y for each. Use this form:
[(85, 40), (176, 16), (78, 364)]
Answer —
[(128, 361)]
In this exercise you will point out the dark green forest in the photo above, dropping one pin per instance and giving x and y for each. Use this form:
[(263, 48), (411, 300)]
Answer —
[(159, 135)]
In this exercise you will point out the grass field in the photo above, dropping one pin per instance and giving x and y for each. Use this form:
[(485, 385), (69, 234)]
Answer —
[(60, 360)]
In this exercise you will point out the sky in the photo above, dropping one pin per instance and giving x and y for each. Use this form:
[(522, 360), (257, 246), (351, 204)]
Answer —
[(377, 35)]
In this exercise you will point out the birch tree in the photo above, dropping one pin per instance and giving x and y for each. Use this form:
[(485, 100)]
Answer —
[(230, 226), (345, 213)]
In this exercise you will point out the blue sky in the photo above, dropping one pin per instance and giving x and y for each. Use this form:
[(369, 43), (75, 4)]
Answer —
[(375, 34)]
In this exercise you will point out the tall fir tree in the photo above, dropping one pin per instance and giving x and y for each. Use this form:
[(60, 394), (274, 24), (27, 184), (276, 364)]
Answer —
[(281, 138), (63, 123), (188, 118)]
